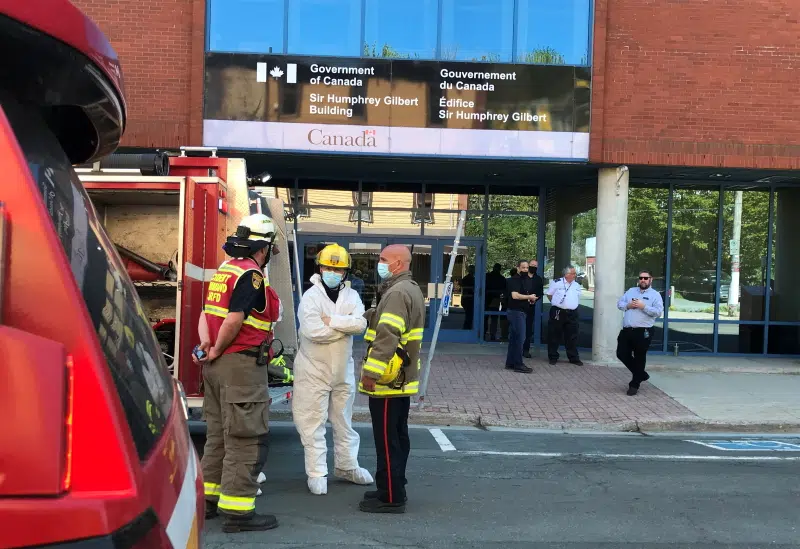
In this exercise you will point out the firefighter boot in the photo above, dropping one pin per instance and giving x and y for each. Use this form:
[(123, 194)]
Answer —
[(211, 509), (251, 522), (373, 494), (378, 506)]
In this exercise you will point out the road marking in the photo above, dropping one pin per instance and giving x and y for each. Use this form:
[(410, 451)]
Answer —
[(749, 445), (652, 457), (442, 440)]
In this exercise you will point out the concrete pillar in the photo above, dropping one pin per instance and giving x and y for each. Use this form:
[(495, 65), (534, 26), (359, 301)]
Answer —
[(563, 237), (612, 232)]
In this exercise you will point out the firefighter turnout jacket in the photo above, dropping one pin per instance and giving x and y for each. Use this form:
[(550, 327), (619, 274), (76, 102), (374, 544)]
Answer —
[(257, 325), (395, 328)]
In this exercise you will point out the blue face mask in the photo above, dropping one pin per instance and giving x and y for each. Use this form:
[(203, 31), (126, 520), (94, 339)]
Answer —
[(332, 280), (383, 270)]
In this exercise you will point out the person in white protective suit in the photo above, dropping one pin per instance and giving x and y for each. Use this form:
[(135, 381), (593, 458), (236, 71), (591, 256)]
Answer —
[(330, 314)]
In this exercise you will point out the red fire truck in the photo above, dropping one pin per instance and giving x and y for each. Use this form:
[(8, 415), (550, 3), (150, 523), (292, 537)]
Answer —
[(169, 214)]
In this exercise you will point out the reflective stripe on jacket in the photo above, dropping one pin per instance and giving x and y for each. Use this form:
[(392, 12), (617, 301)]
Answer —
[(397, 321), (258, 325)]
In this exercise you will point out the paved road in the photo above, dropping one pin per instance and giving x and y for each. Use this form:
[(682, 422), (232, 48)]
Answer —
[(471, 488)]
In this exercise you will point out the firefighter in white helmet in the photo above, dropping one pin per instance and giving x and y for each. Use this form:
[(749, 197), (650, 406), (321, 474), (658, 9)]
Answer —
[(239, 313), (330, 314)]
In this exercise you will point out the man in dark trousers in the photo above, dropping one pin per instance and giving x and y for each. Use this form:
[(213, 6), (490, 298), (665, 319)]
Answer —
[(564, 294), (390, 375), (537, 289), (520, 303), (642, 305), (495, 287)]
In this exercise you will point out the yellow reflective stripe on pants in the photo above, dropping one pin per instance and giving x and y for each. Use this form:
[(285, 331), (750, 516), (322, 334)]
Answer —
[(211, 489), (236, 503)]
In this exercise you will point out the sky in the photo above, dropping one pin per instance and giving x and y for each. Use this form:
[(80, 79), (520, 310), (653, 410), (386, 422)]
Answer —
[(470, 29)]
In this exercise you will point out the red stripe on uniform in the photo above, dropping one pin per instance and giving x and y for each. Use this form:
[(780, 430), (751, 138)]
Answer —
[(386, 446)]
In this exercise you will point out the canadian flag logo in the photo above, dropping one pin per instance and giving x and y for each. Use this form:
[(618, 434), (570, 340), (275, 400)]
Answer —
[(369, 132)]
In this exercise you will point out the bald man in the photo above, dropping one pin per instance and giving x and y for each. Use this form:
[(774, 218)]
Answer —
[(394, 338)]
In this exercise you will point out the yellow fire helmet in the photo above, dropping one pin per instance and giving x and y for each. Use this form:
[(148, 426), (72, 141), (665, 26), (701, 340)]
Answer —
[(334, 256), (392, 374)]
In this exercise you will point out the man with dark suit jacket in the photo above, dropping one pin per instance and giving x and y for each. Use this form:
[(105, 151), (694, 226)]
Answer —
[(538, 289)]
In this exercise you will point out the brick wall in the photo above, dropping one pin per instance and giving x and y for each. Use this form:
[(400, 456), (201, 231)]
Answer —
[(160, 45), (697, 82)]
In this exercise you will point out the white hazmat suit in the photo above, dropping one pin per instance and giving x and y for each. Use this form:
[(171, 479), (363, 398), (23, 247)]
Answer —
[(324, 383)]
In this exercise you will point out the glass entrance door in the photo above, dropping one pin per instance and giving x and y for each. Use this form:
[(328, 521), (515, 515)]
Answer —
[(462, 324), (429, 261)]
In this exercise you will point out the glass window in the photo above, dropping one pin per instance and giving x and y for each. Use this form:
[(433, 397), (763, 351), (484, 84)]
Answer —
[(745, 220), (132, 353), (553, 33), (325, 27), (477, 30), (647, 237), (328, 208), (740, 338), (694, 254), (785, 299), (690, 337), (401, 30), (251, 26)]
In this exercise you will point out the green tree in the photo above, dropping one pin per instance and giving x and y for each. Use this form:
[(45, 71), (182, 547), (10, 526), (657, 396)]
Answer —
[(542, 56)]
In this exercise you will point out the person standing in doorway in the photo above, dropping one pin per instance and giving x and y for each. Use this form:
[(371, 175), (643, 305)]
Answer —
[(468, 296), (520, 304), (641, 305), (530, 321), (564, 294), (495, 286)]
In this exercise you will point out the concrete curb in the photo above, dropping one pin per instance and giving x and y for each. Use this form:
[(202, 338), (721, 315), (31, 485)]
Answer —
[(483, 422), (709, 368)]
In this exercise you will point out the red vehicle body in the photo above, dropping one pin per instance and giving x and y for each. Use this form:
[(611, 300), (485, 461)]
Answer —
[(94, 444)]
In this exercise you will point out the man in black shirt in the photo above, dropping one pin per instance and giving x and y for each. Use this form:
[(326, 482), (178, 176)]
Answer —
[(537, 289), (520, 301)]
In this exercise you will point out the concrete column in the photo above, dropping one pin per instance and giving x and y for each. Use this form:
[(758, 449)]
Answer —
[(563, 237), (612, 232)]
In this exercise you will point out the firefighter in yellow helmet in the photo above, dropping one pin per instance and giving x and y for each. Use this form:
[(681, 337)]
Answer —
[(330, 314)]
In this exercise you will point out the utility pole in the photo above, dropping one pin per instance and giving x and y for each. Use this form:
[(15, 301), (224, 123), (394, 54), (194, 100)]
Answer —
[(736, 243)]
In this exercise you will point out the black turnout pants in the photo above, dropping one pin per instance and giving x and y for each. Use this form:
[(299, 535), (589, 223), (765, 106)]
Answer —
[(632, 346), (392, 445), (564, 328)]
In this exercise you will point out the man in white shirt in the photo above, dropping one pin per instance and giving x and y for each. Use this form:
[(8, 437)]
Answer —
[(641, 305), (564, 294)]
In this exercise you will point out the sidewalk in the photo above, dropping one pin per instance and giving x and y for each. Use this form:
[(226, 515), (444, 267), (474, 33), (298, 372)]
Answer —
[(470, 386)]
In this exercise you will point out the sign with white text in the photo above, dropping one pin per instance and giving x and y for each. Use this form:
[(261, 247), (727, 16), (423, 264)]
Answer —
[(390, 106)]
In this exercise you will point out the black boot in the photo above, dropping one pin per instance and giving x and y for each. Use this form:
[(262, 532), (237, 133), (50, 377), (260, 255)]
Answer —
[(251, 522), (377, 506), (373, 494), (211, 509)]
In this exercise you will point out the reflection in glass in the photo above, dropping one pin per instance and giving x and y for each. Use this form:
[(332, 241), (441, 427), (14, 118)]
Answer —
[(784, 340), (325, 27), (514, 202), (740, 338), (510, 239), (364, 276), (401, 30), (553, 33), (690, 337), (477, 30), (785, 300), (745, 221), (326, 220), (247, 26), (647, 237), (463, 303), (694, 255), (657, 336)]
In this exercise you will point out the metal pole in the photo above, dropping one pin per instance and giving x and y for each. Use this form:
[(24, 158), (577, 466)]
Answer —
[(733, 291), (423, 384), (298, 276)]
